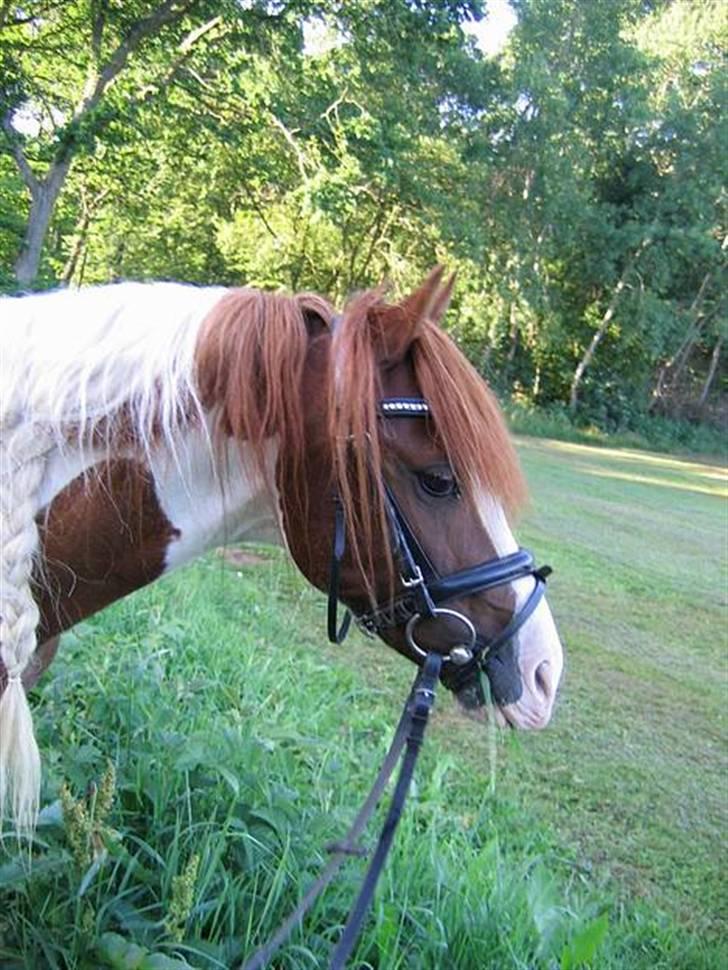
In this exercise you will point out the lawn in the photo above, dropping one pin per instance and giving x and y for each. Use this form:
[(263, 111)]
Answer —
[(206, 744)]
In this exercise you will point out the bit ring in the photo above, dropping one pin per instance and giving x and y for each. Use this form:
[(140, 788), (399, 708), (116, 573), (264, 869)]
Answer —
[(465, 646)]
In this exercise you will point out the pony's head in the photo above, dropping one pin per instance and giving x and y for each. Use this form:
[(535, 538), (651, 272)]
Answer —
[(399, 430)]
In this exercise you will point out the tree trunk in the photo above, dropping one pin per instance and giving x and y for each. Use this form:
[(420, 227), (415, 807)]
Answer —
[(671, 369), (604, 323), (712, 371), (44, 198), (77, 249), (44, 192), (513, 331)]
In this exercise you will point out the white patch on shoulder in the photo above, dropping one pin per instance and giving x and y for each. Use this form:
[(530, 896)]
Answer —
[(209, 502), (213, 502), (61, 469), (74, 356)]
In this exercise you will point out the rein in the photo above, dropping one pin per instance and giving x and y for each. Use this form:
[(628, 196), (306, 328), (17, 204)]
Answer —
[(409, 734)]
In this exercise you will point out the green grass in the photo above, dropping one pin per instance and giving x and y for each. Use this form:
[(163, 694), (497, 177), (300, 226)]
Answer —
[(242, 745)]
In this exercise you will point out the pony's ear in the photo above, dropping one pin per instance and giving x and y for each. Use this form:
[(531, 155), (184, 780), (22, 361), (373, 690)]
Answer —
[(394, 328), (442, 301), (315, 323), (430, 300)]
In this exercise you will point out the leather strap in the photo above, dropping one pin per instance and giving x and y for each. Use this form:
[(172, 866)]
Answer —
[(423, 700), (486, 575), (410, 731), (337, 635)]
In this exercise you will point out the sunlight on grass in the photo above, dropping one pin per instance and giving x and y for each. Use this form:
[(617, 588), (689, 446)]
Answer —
[(719, 491), (707, 470)]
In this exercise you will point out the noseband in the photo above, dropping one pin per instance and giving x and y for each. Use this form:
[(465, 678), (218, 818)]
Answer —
[(425, 591)]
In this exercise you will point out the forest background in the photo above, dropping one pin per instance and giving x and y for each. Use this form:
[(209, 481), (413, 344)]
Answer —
[(574, 176)]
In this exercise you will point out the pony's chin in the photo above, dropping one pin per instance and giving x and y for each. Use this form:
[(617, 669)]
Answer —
[(481, 715), (472, 707), (470, 700)]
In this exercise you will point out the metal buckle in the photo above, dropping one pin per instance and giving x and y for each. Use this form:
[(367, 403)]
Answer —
[(417, 581), (367, 626), (424, 692)]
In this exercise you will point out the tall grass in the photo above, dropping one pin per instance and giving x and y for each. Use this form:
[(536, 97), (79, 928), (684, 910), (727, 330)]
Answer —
[(247, 753)]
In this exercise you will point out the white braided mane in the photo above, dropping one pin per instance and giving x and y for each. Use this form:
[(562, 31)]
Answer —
[(76, 367)]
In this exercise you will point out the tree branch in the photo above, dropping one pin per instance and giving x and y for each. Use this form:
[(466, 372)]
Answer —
[(97, 31), (288, 135), (164, 14), (606, 318), (29, 177), (185, 49)]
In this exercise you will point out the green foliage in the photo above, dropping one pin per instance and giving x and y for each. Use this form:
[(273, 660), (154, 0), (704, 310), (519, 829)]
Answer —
[(645, 432), (585, 944), (575, 180), (119, 954)]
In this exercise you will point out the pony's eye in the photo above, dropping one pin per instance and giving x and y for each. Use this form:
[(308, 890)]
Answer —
[(440, 484)]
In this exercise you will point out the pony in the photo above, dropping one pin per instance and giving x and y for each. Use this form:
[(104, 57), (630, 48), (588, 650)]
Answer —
[(142, 424)]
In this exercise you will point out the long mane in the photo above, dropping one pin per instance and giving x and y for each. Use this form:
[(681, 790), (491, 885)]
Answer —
[(120, 362), (103, 366), (135, 365), (466, 420), (250, 360)]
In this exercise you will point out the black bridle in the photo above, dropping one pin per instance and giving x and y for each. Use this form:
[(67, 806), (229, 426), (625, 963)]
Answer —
[(424, 591)]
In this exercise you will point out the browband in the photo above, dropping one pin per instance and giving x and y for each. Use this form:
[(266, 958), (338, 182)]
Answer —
[(403, 407)]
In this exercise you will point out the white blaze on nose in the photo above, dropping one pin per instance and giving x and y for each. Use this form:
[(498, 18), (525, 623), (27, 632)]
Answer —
[(540, 655)]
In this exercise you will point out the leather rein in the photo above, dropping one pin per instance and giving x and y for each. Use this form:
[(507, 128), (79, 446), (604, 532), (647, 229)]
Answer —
[(424, 591)]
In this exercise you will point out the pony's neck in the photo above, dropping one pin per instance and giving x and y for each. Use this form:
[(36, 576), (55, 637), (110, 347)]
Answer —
[(209, 500)]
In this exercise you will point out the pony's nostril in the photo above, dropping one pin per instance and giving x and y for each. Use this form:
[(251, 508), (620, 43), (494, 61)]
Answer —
[(542, 678)]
